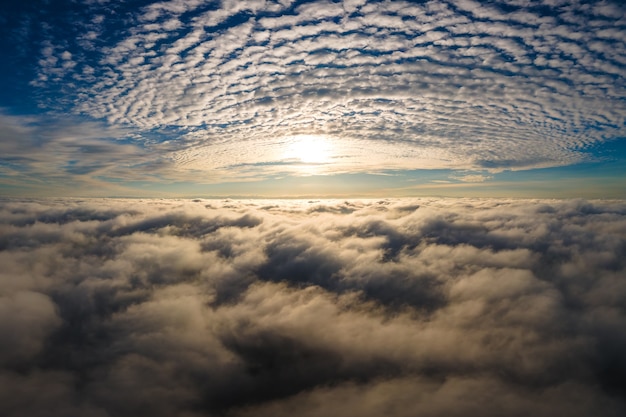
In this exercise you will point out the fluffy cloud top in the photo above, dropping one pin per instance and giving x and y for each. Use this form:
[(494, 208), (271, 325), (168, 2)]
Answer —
[(271, 308)]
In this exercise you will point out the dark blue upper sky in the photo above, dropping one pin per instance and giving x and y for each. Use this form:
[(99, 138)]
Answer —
[(296, 98)]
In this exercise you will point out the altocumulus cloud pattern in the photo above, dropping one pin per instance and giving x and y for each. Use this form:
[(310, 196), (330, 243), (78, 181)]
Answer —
[(454, 84), (426, 307)]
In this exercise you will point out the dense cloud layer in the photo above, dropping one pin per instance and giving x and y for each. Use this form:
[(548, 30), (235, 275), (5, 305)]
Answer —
[(322, 308), (505, 84)]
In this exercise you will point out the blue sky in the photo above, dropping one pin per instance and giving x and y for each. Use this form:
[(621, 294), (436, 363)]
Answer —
[(313, 98)]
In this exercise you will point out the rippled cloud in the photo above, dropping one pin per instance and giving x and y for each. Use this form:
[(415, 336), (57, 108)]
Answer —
[(451, 84), (397, 307)]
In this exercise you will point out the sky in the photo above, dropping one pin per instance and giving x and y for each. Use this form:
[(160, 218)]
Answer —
[(312, 208), (284, 98), (455, 307)]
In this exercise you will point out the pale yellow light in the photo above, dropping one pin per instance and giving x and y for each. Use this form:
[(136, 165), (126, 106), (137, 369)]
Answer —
[(309, 149)]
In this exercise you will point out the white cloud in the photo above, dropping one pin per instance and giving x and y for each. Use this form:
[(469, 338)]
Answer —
[(440, 84), (473, 178)]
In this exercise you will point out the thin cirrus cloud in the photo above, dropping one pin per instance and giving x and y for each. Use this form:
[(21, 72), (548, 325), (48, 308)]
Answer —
[(53, 157), (430, 307), (393, 85)]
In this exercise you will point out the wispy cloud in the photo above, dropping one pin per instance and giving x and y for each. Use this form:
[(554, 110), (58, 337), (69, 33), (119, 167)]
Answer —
[(54, 156), (472, 178)]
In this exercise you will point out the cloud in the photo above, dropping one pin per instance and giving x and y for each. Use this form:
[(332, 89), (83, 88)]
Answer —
[(396, 307), (454, 397), (29, 318), (440, 84), (473, 178), (54, 157)]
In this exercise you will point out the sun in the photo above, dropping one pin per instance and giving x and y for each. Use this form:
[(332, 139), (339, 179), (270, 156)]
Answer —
[(309, 149)]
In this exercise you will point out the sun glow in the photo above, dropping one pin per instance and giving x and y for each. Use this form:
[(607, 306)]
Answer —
[(309, 149)]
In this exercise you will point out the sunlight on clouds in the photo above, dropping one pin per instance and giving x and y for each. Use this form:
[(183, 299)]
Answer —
[(310, 154), (472, 178), (310, 149), (302, 155), (449, 84), (224, 92)]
